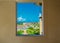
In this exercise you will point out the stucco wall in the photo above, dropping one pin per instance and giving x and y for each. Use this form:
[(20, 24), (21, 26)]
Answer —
[(8, 24)]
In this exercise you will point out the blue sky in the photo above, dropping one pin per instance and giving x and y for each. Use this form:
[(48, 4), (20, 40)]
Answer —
[(28, 12)]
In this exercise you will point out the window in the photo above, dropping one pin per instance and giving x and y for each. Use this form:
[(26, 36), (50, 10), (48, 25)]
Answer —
[(29, 19)]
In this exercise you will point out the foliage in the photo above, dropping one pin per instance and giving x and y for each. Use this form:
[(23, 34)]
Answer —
[(20, 32), (36, 31), (32, 31)]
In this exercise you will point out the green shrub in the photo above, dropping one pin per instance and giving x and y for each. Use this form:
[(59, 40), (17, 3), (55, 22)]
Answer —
[(30, 30), (20, 32), (37, 31)]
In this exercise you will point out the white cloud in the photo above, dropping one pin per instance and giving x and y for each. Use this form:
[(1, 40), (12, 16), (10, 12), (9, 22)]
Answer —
[(21, 19), (40, 14), (24, 19)]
